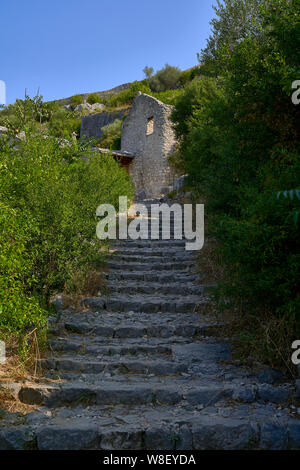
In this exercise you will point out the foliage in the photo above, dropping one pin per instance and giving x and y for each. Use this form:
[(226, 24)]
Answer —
[(165, 79), (19, 310), (126, 97), (30, 113), (49, 195), (168, 96), (63, 123), (235, 21), (148, 71), (75, 100), (111, 138), (189, 75), (33, 116), (94, 98), (239, 141)]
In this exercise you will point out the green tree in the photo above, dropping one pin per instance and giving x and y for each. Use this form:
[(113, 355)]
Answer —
[(165, 79), (235, 21), (148, 71), (239, 135)]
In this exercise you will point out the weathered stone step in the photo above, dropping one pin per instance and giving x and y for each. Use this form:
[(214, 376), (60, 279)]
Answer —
[(81, 364), (118, 393), (139, 258), (171, 392), (181, 266), (124, 287), (90, 347), (152, 252), (159, 276), (148, 303), (139, 331), (150, 243), (152, 428)]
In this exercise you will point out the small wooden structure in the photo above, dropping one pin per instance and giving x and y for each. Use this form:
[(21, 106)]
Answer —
[(124, 158)]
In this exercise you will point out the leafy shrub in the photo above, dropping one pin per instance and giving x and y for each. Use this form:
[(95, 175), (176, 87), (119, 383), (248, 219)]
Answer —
[(75, 100), (94, 98), (111, 138), (189, 75), (19, 309), (63, 123), (168, 96), (49, 196)]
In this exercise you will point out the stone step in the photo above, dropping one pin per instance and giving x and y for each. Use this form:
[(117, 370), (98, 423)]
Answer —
[(118, 393), (127, 366), (151, 252), (181, 266), (91, 347), (136, 331), (178, 288), (139, 258), (159, 276), (148, 303), (150, 243), (114, 392), (152, 428)]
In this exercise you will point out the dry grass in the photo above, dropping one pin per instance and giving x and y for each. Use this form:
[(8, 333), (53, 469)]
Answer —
[(9, 404), (260, 338), (209, 263), (84, 284), (22, 364)]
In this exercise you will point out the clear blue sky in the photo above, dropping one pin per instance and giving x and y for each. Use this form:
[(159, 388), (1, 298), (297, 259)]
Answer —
[(75, 46)]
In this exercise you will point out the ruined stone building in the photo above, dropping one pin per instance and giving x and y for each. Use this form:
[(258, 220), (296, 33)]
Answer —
[(147, 141), (148, 136)]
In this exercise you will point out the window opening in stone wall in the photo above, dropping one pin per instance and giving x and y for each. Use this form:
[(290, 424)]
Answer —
[(150, 126)]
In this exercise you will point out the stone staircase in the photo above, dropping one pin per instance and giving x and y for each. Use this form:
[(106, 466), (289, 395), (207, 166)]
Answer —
[(139, 368)]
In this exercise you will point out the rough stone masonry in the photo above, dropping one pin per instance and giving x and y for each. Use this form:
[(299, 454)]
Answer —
[(148, 135)]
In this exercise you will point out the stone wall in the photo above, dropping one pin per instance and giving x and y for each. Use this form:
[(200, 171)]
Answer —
[(91, 126), (147, 133)]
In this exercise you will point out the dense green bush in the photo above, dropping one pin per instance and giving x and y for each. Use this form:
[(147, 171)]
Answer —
[(94, 98), (111, 138), (19, 309), (168, 96), (49, 196), (75, 100), (239, 138), (63, 123)]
